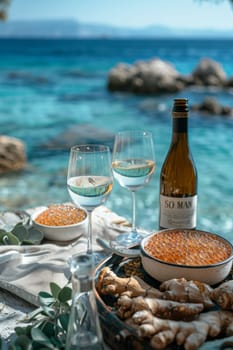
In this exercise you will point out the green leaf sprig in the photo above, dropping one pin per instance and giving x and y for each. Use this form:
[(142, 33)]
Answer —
[(21, 234), (47, 325)]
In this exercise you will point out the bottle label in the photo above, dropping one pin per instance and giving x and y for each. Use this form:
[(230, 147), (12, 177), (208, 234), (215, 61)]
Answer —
[(178, 212)]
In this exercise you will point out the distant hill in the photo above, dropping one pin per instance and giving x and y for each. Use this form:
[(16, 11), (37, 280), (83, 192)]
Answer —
[(74, 29)]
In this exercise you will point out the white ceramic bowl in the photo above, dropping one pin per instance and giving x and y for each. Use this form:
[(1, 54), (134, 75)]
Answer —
[(163, 270), (60, 233)]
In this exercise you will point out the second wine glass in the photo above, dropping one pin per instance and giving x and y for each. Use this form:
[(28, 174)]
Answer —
[(89, 179), (133, 163)]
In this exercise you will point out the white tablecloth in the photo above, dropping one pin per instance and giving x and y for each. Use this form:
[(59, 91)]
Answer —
[(27, 276)]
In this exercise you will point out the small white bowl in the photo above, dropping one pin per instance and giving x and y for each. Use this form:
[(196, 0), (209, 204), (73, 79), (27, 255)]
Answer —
[(162, 270), (60, 233)]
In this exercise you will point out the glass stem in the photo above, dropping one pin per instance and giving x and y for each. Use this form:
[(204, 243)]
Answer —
[(89, 232), (134, 212)]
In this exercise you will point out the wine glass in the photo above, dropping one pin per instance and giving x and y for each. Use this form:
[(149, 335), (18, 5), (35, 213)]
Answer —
[(133, 163), (89, 180)]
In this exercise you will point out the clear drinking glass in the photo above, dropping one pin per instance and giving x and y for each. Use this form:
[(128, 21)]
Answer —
[(89, 179), (133, 163)]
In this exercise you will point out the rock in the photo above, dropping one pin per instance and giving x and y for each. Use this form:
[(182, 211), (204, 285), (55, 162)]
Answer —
[(157, 76), (229, 82), (154, 76), (12, 154), (209, 72), (211, 106), (120, 77), (186, 80), (80, 134)]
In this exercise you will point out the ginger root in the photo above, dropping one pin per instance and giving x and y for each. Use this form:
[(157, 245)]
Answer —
[(187, 291), (223, 295), (171, 314), (127, 306), (109, 283), (189, 334), (175, 289)]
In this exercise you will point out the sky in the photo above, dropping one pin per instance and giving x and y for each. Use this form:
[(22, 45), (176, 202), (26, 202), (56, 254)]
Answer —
[(130, 13)]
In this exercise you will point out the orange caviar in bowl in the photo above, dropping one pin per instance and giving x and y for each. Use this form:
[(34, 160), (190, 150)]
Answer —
[(191, 254), (61, 215), (188, 247)]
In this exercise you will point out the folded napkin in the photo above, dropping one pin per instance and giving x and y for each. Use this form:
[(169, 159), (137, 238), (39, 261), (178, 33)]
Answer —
[(31, 271)]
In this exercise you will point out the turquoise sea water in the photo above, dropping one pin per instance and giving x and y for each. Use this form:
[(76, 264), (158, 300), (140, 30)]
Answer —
[(47, 86)]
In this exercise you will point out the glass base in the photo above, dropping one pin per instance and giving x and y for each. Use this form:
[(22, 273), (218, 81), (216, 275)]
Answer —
[(97, 257), (128, 239)]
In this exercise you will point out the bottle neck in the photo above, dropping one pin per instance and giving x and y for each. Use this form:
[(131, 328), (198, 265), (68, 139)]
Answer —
[(179, 127), (81, 285)]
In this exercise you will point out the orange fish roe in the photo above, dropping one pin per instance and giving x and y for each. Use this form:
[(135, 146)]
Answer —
[(61, 215), (192, 248)]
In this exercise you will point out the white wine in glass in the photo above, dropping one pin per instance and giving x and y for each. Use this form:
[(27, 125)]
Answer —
[(133, 164), (89, 179)]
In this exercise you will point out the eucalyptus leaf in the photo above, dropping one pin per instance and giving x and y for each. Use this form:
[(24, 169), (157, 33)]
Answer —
[(49, 311), (41, 338), (64, 320), (48, 329), (48, 324), (7, 238), (20, 232), (55, 289), (65, 294), (46, 298), (33, 314), (20, 330), (35, 236)]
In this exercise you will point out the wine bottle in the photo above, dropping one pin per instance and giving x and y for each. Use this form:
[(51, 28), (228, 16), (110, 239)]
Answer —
[(178, 178)]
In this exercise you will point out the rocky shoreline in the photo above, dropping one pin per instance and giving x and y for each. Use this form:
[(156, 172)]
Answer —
[(157, 77), (160, 77)]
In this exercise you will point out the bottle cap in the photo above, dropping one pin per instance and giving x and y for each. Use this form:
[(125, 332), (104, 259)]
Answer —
[(180, 105)]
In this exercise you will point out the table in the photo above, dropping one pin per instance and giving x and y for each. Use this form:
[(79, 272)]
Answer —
[(13, 309)]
